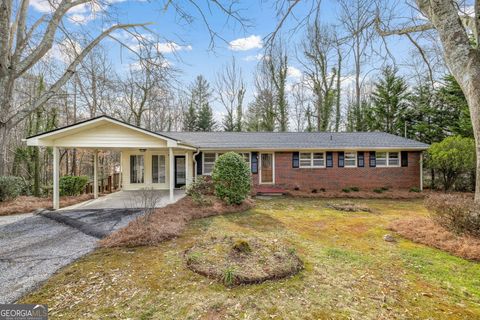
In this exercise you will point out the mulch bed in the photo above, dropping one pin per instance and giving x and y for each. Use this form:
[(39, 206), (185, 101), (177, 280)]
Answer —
[(389, 194), (168, 222), (426, 231), (349, 207), (226, 260), (25, 204)]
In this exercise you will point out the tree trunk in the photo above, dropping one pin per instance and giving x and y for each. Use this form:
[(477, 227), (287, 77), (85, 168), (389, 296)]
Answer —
[(3, 149)]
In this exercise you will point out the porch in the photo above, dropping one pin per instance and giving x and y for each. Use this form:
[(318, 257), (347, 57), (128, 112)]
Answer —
[(148, 160)]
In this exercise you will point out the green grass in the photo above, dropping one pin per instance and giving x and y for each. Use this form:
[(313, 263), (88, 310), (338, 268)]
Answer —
[(350, 272)]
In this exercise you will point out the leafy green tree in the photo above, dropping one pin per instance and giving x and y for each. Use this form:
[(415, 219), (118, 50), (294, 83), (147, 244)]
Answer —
[(390, 101), (452, 157)]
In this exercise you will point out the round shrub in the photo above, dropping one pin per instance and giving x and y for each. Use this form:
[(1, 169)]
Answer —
[(10, 187), (72, 185), (231, 178)]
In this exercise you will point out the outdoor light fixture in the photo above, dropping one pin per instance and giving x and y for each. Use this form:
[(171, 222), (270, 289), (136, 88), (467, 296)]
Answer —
[(142, 150)]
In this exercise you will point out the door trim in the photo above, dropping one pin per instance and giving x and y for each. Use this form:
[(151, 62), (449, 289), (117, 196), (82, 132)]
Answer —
[(260, 168), (176, 185)]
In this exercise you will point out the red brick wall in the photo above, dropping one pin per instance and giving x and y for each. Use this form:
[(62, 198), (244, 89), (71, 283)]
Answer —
[(337, 178)]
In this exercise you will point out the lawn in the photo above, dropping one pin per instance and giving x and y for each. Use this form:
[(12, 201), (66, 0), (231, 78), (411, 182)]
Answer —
[(350, 272)]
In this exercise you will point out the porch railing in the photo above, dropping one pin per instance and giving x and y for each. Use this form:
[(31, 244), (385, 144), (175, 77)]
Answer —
[(107, 184)]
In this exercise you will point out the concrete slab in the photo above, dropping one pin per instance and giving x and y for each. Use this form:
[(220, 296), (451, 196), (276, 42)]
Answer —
[(130, 199)]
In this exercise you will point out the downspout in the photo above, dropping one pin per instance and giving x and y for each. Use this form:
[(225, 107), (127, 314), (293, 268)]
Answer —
[(195, 163)]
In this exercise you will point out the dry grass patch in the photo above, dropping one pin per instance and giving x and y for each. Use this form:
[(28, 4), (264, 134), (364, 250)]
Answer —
[(236, 260), (168, 222), (426, 231), (24, 204)]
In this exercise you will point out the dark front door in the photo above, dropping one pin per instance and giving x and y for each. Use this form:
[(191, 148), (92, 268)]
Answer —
[(180, 171)]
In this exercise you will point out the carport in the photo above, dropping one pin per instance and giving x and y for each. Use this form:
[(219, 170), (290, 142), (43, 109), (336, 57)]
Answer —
[(148, 159)]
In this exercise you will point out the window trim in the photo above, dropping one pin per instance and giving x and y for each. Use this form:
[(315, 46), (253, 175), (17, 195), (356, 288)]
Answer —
[(387, 158), (143, 168), (312, 159), (355, 155), (203, 163)]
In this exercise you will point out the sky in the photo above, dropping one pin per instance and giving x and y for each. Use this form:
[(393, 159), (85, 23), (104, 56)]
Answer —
[(193, 54)]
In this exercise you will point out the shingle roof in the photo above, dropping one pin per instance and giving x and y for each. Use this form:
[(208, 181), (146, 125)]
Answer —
[(295, 140)]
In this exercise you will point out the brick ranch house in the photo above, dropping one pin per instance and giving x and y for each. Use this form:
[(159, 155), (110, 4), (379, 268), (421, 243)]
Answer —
[(304, 160)]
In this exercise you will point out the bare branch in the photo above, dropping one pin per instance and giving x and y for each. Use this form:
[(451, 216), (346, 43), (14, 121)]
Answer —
[(424, 57)]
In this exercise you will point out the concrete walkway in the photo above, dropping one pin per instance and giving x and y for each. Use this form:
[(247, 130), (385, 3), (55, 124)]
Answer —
[(127, 199)]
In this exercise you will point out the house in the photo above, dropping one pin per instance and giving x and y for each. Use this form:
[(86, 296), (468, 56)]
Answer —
[(305, 160)]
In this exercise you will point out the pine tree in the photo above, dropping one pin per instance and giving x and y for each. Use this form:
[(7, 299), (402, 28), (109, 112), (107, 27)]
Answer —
[(389, 102), (205, 120), (190, 119)]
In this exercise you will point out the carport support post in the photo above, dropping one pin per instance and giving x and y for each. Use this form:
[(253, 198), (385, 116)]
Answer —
[(56, 178), (95, 174), (171, 175)]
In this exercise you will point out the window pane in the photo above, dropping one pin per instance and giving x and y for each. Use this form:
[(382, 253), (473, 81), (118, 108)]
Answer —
[(381, 158), (350, 159), (136, 169), (318, 159), (161, 169), (155, 169), (208, 162), (393, 159), (305, 159)]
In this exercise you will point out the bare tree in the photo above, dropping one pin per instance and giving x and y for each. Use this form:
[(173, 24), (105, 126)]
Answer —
[(301, 105), (458, 32), (322, 64), (231, 90)]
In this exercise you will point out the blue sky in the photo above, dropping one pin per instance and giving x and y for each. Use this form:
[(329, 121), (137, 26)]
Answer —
[(194, 53)]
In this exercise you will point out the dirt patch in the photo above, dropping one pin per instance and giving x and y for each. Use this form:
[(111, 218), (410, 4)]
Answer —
[(168, 222), (236, 260), (349, 207), (24, 204), (426, 231), (388, 194)]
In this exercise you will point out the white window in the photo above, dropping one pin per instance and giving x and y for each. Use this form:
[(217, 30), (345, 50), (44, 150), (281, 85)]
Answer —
[(305, 160), (209, 162), (388, 159), (381, 159), (158, 169), (350, 159), (393, 159), (312, 159)]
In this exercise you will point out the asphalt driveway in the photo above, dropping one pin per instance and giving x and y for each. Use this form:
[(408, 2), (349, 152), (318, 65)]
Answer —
[(34, 247)]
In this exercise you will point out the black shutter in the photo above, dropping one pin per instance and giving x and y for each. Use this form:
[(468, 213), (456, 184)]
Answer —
[(295, 159), (254, 162), (329, 160), (198, 159), (373, 159), (361, 159), (404, 158), (341, 159)]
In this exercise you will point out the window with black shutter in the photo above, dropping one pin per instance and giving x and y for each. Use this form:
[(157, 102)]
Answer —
[(373, 159), (198, 159), (329, 159), (341, 159), (254, 162), (404, 158), (361, 159), (295, 159)]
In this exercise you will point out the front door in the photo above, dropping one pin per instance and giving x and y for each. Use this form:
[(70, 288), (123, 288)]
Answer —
[(180, 171), (266, 168)]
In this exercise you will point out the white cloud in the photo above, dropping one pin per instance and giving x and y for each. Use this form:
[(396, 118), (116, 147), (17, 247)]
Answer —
[(168, 47), (255, 57), (248, 43), (293, 72)]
